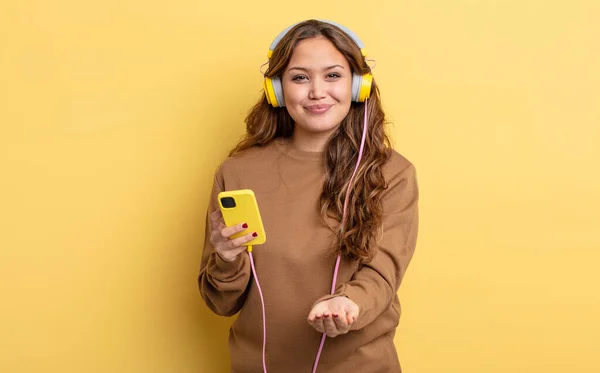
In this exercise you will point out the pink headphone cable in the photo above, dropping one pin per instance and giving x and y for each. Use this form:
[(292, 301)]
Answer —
[(262, 303), (337, 262)]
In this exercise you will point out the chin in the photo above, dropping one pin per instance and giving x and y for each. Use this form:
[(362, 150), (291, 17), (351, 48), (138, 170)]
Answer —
[(320, 127), (321, 124)]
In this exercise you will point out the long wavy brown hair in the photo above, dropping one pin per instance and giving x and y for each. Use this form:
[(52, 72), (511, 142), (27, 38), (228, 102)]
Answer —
[(264, 123)]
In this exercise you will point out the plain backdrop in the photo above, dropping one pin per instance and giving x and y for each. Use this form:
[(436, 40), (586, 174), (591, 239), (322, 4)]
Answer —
[(114, 115)]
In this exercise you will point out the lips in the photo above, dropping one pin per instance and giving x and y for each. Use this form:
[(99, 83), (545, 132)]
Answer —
[(318, 109)]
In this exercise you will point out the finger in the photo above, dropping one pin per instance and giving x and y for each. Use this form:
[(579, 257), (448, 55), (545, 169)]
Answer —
[(341, 322), (329, 325), (350, 320), (227, 232), (316, 311), (230, 249), (215, 234), (237, 242), (216, 215), (352, 310), (318, 323), (312, 322), (351, 314)]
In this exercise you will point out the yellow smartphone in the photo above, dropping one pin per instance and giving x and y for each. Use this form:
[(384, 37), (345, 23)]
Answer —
[(240, 206)]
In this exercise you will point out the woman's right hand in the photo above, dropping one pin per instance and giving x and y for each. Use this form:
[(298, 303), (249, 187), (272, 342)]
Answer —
[(227, 248)]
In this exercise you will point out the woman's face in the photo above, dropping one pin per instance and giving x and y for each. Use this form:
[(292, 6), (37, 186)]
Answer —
[(317, 87)]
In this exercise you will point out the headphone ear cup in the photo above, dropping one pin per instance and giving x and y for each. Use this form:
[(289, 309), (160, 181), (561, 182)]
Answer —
[(270, 92), (274, 91), (356, 83), (278, 89), (361, 87), (365, 87)]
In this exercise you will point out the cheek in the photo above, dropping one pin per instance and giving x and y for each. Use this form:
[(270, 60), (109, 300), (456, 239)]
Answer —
[(343, 92), (292, 96), (293, 93)]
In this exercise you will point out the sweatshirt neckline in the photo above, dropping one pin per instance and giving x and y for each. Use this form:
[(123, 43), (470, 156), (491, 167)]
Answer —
[(285, 146)]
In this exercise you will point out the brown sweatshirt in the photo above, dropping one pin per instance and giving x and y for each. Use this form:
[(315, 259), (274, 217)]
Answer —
[(295, 267)]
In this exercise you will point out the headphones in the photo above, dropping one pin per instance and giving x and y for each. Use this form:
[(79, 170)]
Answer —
[(361, 84)]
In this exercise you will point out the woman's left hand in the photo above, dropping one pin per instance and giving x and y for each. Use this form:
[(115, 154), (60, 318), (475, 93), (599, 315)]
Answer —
[(334, 316)]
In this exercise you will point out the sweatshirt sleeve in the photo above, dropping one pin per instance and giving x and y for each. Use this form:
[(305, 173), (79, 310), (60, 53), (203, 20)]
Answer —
[(374, 286), (223, 285)]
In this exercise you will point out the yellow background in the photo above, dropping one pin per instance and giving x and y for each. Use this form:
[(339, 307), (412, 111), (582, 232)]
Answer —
[(115, 113)]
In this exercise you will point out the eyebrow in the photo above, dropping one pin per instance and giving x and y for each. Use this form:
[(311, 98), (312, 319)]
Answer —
[(308, 70)]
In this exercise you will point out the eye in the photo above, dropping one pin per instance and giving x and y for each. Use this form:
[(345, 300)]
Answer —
[(333, 75), (299, 78)]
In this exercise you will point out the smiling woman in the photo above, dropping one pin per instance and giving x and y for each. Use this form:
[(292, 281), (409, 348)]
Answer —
[(335, 200)]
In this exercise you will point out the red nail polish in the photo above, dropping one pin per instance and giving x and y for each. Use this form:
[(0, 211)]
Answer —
[(254, 234), (335, 315), (244, 225)]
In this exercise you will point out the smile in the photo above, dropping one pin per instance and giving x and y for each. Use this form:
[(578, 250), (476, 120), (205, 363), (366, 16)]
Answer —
[(318, 109)]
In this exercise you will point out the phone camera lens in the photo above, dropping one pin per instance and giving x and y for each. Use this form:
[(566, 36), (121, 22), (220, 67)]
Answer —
[(228, 202)]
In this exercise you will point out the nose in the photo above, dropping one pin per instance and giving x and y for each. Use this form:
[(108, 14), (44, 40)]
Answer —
[(317, 89)]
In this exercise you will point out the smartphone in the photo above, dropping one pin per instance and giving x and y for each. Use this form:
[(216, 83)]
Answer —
[(240, 206)]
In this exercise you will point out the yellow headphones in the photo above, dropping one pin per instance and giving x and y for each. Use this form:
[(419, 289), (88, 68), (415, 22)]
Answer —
[(361, 84)]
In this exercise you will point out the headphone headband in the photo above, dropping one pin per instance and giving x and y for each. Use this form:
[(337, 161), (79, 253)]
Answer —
[(344, 29)]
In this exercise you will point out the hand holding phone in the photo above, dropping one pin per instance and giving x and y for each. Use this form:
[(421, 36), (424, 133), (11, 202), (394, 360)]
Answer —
[(237, 224), (227, 247)]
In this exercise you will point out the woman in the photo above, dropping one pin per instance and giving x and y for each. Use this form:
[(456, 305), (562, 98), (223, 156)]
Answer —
[(321, 198)]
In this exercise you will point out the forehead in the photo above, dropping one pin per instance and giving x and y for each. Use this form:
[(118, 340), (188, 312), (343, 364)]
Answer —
[(316, 52)]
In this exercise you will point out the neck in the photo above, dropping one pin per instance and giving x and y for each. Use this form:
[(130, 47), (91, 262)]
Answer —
[(310, 142)]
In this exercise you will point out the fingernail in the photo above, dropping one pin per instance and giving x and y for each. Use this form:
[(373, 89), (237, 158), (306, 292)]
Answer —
[(335, 315), (318, 316), (254, 234), (244, 225)]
